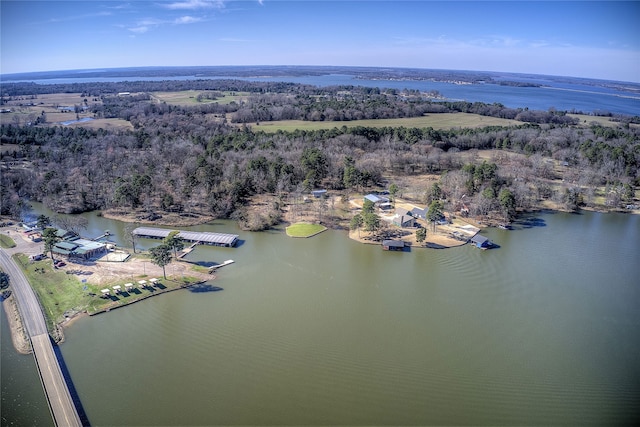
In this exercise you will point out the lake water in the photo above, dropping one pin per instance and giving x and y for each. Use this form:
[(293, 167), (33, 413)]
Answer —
[(562, 96), (325, 331)]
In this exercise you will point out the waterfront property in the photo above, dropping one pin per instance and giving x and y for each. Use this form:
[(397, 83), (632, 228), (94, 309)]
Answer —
[(481, 241), (203, 237), (79, 248), (403, 218), (393, 245)]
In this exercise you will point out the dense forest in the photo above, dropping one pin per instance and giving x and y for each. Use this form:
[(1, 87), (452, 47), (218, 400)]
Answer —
[(212, 157)]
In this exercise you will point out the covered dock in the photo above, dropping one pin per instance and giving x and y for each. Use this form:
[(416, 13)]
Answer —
[(202, 237), (481, 241)]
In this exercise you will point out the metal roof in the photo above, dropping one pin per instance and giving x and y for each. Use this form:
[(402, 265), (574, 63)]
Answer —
[(192, 236)]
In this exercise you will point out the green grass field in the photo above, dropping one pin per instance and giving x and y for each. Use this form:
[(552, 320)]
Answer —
[(61, 293), (303, 229), (436, 121), (7, 242), (189, 97)]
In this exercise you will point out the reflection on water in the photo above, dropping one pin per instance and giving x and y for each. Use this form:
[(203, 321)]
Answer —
[(324, 330)]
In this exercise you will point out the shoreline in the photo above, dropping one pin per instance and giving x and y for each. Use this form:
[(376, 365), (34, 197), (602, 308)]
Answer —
[(18, 334), (21, 341)]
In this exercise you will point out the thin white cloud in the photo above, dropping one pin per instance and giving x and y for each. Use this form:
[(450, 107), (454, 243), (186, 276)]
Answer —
[(148, 24), (195, 4), (139, 30), (187, 20), (78, 17)]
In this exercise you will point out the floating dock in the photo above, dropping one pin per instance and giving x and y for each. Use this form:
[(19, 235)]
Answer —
[(198, 237)]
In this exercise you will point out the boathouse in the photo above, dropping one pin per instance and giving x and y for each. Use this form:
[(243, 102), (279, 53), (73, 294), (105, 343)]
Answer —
[(203, 237), (393, 245), (481, 241)]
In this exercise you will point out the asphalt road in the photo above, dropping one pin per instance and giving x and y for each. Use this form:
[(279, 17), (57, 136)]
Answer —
[(55, 387)]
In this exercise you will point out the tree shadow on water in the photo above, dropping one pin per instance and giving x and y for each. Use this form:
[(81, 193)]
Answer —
[(526, 223), (204, 287)]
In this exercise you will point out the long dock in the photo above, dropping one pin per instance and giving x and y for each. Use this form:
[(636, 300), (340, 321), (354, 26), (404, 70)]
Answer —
[(203, 237), (63, 410)]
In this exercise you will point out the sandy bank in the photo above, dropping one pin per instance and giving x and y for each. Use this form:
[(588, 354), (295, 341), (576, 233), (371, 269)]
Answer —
[(18, 334)]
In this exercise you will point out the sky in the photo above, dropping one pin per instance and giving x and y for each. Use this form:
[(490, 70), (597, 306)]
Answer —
[(574, 38)]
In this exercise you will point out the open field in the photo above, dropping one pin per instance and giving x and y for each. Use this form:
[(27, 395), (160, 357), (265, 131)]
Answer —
[(436, 121), (189, 97), (586, 120)]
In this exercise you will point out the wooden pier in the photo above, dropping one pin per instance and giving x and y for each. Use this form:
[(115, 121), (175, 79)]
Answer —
[(215, 267), (188, 250)]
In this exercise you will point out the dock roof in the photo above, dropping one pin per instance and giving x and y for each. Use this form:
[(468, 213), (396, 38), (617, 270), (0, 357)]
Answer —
[(191, 236)]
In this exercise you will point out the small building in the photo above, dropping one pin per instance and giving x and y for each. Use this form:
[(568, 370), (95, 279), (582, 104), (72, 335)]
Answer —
[(79, 248), (319, 193), (481, 241), (375, 199), (403, 218), (393, 245), (65, 234), (419, 213)]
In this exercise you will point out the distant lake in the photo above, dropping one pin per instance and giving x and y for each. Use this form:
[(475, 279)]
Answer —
[(561, 96)]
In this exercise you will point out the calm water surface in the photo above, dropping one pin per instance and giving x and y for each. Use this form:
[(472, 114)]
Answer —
[(543, 330)]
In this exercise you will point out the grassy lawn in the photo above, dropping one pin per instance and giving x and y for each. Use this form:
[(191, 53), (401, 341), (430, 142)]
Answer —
[(7, 242), (436, 121), (303, 229), (189, 97), (61, 293), (58, 292)]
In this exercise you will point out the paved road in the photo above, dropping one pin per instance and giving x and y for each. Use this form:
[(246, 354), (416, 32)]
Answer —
[(25, 296), (55, 387)]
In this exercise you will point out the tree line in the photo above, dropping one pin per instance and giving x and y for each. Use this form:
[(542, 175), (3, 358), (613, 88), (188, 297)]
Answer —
[(178, 158)]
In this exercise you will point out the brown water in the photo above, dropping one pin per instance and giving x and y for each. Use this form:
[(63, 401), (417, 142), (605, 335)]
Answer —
[(543, 330)]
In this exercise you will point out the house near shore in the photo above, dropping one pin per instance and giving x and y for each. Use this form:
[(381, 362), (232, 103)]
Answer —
[(403, 219), (72, 246), (419, 213)]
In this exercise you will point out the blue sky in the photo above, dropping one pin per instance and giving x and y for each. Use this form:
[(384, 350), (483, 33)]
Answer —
[(575, 38)]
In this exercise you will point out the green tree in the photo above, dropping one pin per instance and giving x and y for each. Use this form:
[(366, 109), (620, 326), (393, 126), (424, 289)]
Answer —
[(508, 203), (371, 222), (356, 223), (435, 213), (435, 193), (393, 192), (421, 235), (174, 242), (315, 165), (50, 237), (161, 256), (43, 221), (351, 177), (368, 206)]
